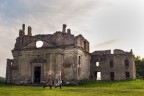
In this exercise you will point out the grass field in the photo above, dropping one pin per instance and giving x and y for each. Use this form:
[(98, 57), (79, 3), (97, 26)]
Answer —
[(87, 88)]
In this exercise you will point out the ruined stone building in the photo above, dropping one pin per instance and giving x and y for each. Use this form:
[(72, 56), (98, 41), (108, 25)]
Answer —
[(64, 54), (117, 66)]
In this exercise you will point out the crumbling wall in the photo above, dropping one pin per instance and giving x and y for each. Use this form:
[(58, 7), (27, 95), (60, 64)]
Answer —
[(57, 56), (115, 63)]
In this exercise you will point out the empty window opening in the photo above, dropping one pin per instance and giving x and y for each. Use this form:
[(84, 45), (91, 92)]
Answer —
[(111, 63), (97, 63), (39, 44), (112, 76), (97, 75), (11, 63), (127, 75), (79, 60), (126, 63)]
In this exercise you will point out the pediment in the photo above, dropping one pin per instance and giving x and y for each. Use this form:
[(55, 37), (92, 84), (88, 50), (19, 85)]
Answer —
[(32, 45)]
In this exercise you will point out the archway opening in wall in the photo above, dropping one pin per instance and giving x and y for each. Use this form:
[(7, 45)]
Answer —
[(98, 76), (39, 44), (37, 74)]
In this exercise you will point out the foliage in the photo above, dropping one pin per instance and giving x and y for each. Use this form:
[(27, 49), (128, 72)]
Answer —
[(2, 80), (139, 67), (86, 88)]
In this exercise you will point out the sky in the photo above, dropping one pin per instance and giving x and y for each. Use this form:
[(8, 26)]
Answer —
[(106, 24)]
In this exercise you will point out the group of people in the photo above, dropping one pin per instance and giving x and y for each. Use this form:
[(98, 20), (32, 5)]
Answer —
[(57, 82)]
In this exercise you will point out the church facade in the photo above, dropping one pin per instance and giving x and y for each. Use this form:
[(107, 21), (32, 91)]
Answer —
[(63, 54)]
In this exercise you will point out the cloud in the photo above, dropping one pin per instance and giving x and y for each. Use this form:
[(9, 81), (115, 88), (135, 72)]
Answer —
[(44, 16), (105, 43)]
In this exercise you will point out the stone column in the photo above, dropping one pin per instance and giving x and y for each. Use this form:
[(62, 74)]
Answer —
[(23, 27), (64, 28), (51, 64), (59, 64), (29, 31)]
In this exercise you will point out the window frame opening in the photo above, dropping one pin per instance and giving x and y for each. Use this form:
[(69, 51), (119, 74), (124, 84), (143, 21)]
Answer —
[(97, 64), (39, 44)]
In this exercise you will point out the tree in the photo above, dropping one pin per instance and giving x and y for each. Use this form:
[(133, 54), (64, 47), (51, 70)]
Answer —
[(139, 67)]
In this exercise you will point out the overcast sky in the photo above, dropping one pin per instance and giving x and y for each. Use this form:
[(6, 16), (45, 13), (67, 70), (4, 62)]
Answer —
[(106, 24)]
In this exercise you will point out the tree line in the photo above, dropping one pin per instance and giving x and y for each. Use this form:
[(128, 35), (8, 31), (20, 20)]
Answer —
[(139, 62)]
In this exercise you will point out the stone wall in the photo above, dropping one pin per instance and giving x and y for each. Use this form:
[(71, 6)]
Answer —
[(121, 63), (59, 55), (67, 55)]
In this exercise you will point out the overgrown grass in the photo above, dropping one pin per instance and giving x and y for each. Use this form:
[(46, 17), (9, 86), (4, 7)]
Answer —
[(86, 88)]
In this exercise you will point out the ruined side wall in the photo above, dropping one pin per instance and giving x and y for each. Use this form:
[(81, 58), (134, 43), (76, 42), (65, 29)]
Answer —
[(118, 65), (118, 68)]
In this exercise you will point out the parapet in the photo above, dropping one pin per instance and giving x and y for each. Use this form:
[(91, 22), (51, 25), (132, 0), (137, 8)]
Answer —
[(102, 52), (119, 51), (108, 52)]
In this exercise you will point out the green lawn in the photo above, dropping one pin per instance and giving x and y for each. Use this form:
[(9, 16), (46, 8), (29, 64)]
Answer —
[(89, 88)]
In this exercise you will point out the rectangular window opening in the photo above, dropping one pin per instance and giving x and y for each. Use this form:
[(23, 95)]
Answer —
[(127, 75), (126, 64), (97, 63), (79, 60), (111, 63)]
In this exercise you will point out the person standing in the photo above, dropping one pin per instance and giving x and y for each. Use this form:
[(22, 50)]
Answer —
[(58, 82), (49, 82)]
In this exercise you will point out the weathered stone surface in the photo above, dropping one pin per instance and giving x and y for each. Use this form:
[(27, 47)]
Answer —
[(113, 63), (59, 55), (67, 55)]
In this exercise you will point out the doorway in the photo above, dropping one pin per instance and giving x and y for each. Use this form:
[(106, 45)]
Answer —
[(112, 76), (37, 74), (97, 75)]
